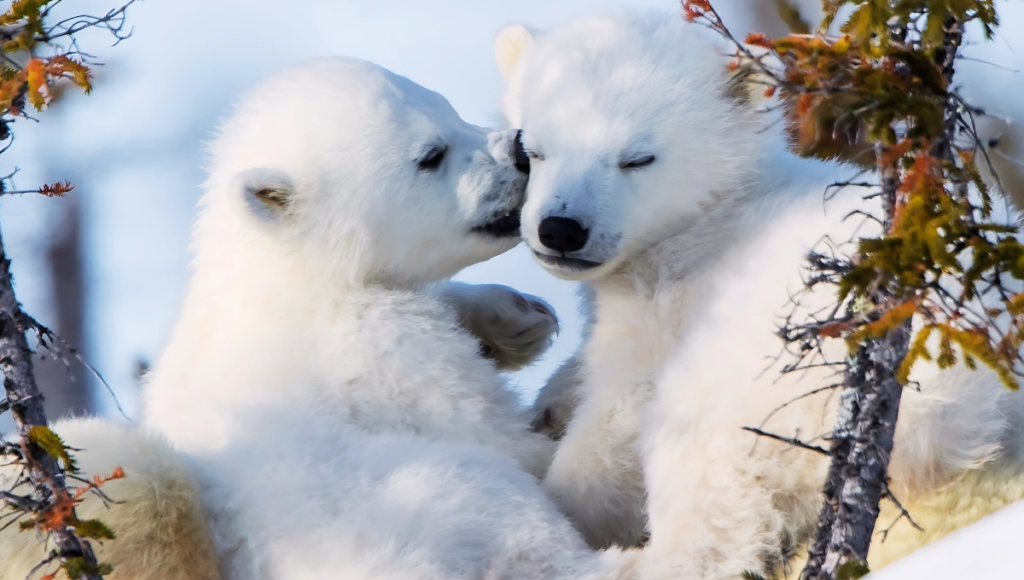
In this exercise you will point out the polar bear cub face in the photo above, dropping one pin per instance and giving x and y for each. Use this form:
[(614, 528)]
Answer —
[(629, 130), (368, 176)]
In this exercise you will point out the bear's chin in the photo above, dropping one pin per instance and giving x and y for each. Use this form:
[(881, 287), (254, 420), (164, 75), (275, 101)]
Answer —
[(573, 269)]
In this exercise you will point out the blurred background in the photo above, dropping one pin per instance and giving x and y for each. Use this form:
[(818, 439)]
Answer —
[(106, 266)]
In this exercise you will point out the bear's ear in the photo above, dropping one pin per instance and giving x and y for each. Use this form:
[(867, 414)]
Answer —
[(266, 193), (509, 45)]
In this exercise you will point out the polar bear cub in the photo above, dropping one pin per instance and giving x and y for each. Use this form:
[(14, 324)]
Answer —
[(309, 362), (654, 186)]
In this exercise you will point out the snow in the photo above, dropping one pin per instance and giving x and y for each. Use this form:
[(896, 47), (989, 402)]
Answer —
[(989, 549)]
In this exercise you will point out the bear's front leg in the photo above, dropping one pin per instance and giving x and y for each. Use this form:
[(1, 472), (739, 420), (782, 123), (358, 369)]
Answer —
[(557, 400), (722, 502), (514, 329), (595, 478)]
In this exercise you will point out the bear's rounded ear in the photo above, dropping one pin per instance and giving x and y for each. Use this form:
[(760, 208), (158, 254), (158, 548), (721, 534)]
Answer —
[(509, 45), (266, 193)]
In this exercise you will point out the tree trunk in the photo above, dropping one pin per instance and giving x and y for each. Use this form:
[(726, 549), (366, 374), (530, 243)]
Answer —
[(862, 439), (68, 387), (861, 446), (26, 405)]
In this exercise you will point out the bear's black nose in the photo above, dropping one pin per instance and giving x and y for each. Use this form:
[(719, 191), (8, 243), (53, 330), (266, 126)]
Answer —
[(562, 234)]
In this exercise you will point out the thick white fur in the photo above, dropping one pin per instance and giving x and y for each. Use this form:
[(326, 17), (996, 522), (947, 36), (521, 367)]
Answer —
[(336, 421), (698, 256)]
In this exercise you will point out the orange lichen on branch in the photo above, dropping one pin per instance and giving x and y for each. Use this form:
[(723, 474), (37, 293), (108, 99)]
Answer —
[(118, 473), (758, 39), (689, 14), (889, 320), (59, 514), (58, 189), (99, 481), (919, 201), (41, 74), (694, 9), (835, 330), (896, 152), (38, 89), (78, 73)]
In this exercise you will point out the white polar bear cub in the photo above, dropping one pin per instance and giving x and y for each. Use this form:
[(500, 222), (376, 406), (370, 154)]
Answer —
[(655, 186), (338, 422), (338, 418)]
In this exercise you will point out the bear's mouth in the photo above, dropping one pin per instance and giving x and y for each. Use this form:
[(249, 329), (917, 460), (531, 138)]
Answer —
[(561, 262), (503, 226)]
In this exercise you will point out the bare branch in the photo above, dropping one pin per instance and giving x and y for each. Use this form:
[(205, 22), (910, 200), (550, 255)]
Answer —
[(790, 440)]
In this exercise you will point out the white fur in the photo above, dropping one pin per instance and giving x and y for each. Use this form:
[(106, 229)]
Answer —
[(692, 261)]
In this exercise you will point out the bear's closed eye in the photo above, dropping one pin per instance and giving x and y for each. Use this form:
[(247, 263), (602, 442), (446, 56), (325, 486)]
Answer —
[(432, 160)]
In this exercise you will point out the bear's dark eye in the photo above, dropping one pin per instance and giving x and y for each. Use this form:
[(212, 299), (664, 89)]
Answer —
[(432, 159), (637, 163)]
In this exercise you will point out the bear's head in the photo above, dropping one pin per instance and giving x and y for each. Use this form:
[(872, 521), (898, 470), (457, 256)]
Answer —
[(343, 168), (632, 131)]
